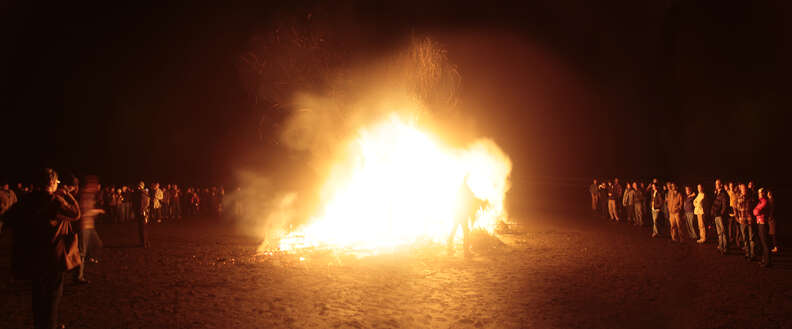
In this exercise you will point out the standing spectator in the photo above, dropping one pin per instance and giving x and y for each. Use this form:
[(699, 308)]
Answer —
[(141, 208), (656, 205), (195, 203), (698, 209), (745, 220), (628, 203), (176, 200), (88, 236), (689, 213), (613, 194), (674, 212), (719, 211), (42, 239), (760, 211), (771, 220), (638, 204), (603, 200), (734, 233), (166, 199), (157, 196), (594, 195)]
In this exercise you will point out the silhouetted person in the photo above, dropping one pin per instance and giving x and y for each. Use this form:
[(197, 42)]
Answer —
[(674, 212), (467, 206), (771, 220), (594, 195), (638, 204), (140, 204), (689, 213), (42, 236)]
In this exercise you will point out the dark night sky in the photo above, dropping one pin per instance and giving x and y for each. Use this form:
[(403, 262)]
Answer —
[(687, 89)]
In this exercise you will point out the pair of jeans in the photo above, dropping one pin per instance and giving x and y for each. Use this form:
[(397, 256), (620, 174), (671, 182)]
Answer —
[(747, 230), (723, 241), (655, 214), (691, 225), (639, 214), (614, 214), (47, 292), (675, 231), (765, 246)]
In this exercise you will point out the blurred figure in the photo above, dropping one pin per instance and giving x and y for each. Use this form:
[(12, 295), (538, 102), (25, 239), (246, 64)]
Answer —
[(89, 239), (689, 213), (468, 204), (698, 209), (8, 199), (141, 206), (43, 241), (638, 203), (656, 206), (195, 203), (760, 211), (176, 201), (674, 213), (771, 220), (719, 210), (744, 218), (593, 191), (603, 200)]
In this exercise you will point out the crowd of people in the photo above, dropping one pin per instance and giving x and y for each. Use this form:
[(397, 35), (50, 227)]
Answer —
[(53, 225), (736, 215)]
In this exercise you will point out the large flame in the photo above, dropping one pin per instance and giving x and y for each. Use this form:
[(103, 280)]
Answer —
[(394, 184)]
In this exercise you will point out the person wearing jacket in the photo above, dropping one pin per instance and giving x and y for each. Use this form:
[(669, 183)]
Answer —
[(689, 216), (719, 210), (638, 200), (744, 218), (656, 204), (760, 211), (698, 209), (594, 195), (674, 212), (141, 201), (41, 244), (627, 202)]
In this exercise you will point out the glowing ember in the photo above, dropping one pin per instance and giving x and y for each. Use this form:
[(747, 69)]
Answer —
[(394, 185)]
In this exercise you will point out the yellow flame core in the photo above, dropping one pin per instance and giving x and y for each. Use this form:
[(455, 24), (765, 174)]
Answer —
[(395, 185)]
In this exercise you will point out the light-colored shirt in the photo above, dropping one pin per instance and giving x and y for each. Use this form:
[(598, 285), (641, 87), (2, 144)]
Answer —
[(698, 204)]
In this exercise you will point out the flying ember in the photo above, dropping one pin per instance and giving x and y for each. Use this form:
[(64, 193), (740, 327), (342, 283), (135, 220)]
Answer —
[(394, 184)]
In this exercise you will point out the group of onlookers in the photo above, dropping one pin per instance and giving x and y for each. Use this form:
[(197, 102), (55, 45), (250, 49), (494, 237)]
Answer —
[(46, 244), (741, 212), (168, 202)]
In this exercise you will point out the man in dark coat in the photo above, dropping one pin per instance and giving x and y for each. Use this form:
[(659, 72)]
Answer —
[(140, 204), (43, 238), (720, 211)]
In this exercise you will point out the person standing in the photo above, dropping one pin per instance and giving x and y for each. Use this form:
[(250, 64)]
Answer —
[(745, 220), (657, 206), (689, 213), (594, 195), (43, 244), (734, 233), (467, 206), (603, 200), (627, 202), (614, 192), (141, 202), (760, 211), (674, 212), (719, 211), (771, 220), (698, 210), (638, 201)]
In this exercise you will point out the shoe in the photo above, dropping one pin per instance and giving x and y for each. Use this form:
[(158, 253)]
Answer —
[(81, 281), (774, 250), (654, 235)]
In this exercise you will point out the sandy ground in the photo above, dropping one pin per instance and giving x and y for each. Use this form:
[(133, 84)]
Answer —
[(570, 271)]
